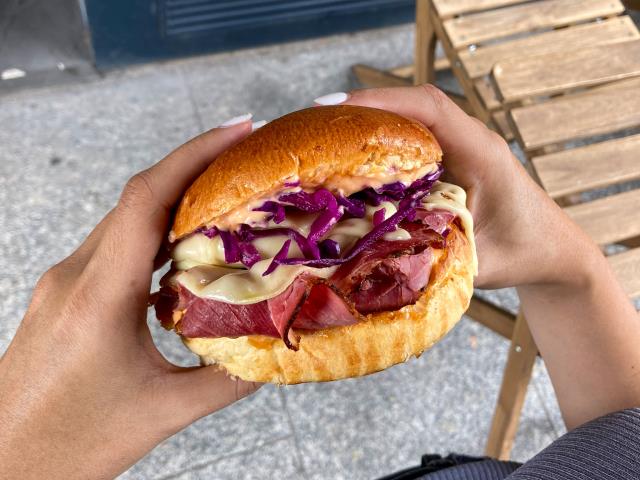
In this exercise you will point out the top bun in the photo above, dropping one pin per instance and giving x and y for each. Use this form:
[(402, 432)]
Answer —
[(315, 146)]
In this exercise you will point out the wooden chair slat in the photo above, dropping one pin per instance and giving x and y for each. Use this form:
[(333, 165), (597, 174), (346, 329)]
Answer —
[(626, 266), (405, 71), (605, 110), (480, 27), (491, 316), (552, 73), (589, 167), (449, 8), (480, 61), (373, 77), (487, 93), (609, 219)]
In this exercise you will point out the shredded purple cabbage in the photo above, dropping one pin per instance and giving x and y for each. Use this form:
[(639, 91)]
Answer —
[(308, 202), (281, 255), (308, 249), (406, 209), (388, 192), (209, 232), (231, 246), (352, 206), (235, 249), (389, 225), (276, 209), (249, 254), (323, 201), (378, 216), (329, 248), (325, 253), (329, 215)]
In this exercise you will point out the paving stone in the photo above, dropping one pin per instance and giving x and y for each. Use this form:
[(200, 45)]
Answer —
[(277, 80), (144, 107), (272, 460)]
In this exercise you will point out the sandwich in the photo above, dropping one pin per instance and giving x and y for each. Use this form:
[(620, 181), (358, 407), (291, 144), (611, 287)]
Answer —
[(322, 246)]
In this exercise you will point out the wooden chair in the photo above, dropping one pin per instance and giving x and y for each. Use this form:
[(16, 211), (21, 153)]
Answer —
[(560, 77)]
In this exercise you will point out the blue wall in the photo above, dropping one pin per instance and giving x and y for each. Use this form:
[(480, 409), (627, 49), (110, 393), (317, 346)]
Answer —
[(133, 31)]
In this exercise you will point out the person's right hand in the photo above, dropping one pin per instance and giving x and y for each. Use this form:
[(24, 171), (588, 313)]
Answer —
[(522, 236), (582, 322)]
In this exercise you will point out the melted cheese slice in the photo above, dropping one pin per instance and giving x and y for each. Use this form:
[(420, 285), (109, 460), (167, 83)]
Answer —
[(205, 273), (241, 286)]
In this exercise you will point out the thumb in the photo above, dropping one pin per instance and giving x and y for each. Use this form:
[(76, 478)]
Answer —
[(192, 393)]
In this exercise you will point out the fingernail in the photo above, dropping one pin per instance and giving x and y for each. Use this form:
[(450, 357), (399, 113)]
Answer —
[(236, 120), (332, 99), (257, 125)]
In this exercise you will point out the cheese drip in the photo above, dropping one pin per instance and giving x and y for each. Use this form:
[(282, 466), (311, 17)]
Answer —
[(205, 273), (450, 197)]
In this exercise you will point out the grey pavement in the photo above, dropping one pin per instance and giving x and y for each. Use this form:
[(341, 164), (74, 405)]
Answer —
[(65, 153)]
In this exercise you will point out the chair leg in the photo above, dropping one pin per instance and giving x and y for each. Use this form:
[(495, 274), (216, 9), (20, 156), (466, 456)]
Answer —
[(517, 374), (425, 47), (374, 77)]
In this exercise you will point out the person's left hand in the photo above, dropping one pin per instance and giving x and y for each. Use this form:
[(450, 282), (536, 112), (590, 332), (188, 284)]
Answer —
[(84, 393)]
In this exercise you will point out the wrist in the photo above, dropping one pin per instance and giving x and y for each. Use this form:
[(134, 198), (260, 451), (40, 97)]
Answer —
[(573, 263), (556, 250)]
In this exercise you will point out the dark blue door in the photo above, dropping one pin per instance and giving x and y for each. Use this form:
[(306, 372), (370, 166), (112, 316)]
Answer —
[(131, 31)]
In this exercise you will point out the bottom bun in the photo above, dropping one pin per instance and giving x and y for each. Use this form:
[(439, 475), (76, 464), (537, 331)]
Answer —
[(378, 342)]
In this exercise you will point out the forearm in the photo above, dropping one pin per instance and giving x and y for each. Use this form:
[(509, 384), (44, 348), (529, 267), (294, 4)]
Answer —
[(589, 336)]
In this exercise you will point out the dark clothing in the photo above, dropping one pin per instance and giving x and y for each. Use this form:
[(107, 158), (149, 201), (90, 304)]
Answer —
[(455, 467), (607, 448)]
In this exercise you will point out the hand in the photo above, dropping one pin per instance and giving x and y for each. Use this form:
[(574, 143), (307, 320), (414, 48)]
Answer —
[(522, 236), (84, 393), (583, 324)]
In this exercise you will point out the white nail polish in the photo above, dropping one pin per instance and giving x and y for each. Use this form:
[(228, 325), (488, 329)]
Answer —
[(332, 99), (257, 125), (236, 120)]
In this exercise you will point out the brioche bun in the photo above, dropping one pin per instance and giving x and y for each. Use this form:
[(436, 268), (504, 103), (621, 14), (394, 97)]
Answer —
[(315, 146)]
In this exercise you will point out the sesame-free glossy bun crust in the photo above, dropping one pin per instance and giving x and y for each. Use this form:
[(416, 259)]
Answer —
[(312, 145), (380, 341)]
